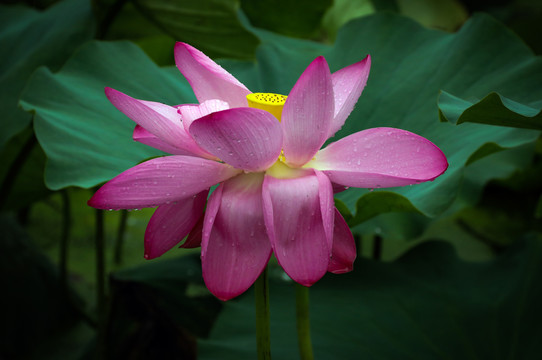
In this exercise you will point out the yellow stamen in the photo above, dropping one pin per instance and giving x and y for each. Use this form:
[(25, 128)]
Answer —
[(280, 170), (269, 102)]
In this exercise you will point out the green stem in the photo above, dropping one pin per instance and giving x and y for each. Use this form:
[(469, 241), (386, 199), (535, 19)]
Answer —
[(100, 284), (120, 236), (261, 288), (15, 168), (303, 322), (377, 247), (64, 240), (359, 245)]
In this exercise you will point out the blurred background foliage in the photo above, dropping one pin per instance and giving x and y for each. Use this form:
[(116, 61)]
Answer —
[(445, 270)]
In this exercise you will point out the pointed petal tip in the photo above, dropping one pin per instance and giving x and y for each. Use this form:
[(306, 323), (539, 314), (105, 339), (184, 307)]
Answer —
[(320, 59), (342, 270), (97, 201), (225, 297), (182, 45), (306, 283), (110, 92), (91, 202)]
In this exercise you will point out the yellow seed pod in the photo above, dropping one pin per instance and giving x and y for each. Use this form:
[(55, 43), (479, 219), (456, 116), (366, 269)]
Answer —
[(269, 102)]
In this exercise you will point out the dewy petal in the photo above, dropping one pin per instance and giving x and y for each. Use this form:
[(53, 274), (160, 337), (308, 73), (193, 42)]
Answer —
[(143, 136), (161, 120), (343, 253), (246, 138), (170, 223), (208, 79), (380, 157), (235, 248), (160, 181), (348, 83), (308, 113), (327, 204), (193, 240), (293, 218), (192, 112)]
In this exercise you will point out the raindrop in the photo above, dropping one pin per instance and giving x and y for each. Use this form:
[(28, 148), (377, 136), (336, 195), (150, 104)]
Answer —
[(146, 256)]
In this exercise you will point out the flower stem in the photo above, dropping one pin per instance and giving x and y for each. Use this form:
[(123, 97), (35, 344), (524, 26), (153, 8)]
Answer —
[(15, 168), (303, 322), (377, 247), (120, 236), (100, 285), (263, 342), (64, 240)]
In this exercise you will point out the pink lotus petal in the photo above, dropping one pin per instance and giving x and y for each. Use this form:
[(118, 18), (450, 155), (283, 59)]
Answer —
[(308, 113), (192, 112), (348, 83), (246, 138), (380, 157), (193, 240), (161, 120), (160, 181), (170, 223), (327, 204), (235, 248), (294, 224), (208, 79), (143, 136), (343, 253)]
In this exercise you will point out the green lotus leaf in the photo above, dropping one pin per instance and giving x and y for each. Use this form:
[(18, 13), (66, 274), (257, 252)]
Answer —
[(212, 26), (299, 18), (493, 109), (28, 39)]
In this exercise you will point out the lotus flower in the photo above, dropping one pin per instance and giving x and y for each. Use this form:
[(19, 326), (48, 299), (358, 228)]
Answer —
[(275, 185)]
